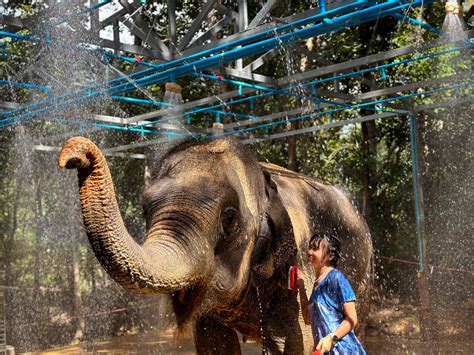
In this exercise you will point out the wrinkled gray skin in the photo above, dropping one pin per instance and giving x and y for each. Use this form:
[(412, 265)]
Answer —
[(222, 231)]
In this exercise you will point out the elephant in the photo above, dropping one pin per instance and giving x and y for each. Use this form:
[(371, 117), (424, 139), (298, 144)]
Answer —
[(222, 232)]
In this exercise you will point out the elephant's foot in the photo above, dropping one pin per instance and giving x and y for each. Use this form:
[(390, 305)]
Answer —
[(212, 337)]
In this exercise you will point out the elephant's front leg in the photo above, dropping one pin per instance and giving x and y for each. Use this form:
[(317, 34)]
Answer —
[(212, 337)]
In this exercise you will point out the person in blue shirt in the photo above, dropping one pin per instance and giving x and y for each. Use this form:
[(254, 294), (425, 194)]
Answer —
[(331, 308)]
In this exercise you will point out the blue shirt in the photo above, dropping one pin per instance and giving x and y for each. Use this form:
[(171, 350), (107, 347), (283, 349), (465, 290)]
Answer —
[(326, 310)]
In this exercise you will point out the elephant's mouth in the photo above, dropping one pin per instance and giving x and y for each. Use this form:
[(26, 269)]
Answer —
[(186, 302)]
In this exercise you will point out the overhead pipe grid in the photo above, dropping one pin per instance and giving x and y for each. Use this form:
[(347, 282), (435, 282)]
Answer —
[(366, 14)]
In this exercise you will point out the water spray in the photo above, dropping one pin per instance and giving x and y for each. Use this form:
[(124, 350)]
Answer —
[(453, 26)]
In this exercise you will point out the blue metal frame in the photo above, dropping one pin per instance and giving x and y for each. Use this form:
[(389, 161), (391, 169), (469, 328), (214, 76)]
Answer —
[(151, 76)]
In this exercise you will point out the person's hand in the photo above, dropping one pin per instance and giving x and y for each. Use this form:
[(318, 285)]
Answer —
[(299, 278), (324, 345)]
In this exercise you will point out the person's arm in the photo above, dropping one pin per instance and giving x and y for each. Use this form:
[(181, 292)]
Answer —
[(304, 302), (303, 298), (349, 323)]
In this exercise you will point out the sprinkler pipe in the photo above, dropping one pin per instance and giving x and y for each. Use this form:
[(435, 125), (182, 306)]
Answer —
[(388, 65), (337, 23), (289, 38), (159, 103), (28, 37), (29, 86), (416, 189), (362, 105), (265, 34), (271, 93), (138, 128), (269, 33), (286, 91), (321, 81), (418, 23), (275, 42), (322, 6), (365, 105)]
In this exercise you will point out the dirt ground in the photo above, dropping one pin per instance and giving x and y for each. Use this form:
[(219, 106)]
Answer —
[(394, 329)]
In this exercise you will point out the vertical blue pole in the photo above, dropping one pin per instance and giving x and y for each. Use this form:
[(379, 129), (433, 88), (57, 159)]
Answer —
[(322, 6), (416, 189)]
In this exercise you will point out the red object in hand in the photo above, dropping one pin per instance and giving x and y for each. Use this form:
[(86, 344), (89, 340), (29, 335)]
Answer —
[(292, 277), (220, 77), (317, 352)]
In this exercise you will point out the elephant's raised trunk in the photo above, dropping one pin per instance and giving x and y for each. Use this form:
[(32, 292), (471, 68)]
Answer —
[(157, 266)]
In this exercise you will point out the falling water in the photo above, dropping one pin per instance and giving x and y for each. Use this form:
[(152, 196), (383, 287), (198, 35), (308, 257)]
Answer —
[(55, 289), (453, 26)]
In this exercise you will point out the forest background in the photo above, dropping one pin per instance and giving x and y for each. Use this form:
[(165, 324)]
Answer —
[(55, 291)]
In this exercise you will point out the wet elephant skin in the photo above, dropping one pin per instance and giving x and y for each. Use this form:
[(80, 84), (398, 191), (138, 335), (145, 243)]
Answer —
[(222, 231)]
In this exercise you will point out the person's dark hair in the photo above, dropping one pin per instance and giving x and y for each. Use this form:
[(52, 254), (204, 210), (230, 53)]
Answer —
[(331, 246)]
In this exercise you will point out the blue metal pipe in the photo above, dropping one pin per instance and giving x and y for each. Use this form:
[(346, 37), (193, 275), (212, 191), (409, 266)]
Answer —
[(415, 188), (212, 51), (322, 80), (170, 74), (357, 106), (273, 32), (264, 88), (26, 85), (338, 23), (28, 37), (159, 103), (388, 65), (322, 6), (418, 23), (341, 22), (141, 101), (266, 34), (138, 128)]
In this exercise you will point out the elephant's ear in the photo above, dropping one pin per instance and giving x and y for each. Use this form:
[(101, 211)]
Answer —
[(275, 249)]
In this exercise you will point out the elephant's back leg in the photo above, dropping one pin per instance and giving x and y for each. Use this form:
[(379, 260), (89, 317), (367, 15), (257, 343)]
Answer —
[(213, 337)]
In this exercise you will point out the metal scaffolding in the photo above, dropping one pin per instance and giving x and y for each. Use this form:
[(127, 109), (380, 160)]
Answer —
[(164, 59)]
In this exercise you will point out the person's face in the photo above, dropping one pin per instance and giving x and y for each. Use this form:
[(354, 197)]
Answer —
[(316, 256)]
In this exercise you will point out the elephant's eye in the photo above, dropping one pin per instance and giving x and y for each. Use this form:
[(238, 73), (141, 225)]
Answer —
[(229, 220)]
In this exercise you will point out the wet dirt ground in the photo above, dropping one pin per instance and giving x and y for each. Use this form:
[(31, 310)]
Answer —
[(165, 343), (390, 330)]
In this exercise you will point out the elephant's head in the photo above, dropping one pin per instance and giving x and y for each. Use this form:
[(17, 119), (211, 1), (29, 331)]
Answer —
[(212, 217)]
